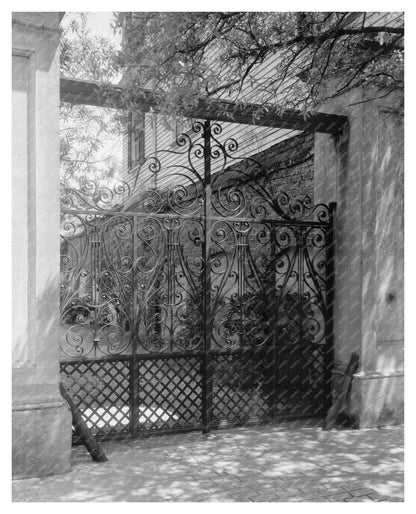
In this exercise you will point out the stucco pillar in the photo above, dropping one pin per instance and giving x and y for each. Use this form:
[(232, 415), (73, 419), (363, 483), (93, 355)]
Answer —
[(362, 170), (41, 419)]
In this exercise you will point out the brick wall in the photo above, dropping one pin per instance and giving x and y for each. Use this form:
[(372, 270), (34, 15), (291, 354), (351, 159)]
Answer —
[(290, 166)]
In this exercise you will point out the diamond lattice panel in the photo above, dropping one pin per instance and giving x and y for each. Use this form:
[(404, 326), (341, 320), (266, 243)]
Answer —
[(242, 388), (301, 388), (170, 393), (101, 390)]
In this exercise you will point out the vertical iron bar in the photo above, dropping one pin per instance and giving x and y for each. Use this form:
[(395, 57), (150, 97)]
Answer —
[(207, 317), (240, 282), (134, 381), (170, 279), (329, 311), (301, 257), (273, 320), (171, 246), (94, 282), (298, 354)]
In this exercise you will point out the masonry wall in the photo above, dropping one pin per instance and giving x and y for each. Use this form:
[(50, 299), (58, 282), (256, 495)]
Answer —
[(41, 419), (362, 170)]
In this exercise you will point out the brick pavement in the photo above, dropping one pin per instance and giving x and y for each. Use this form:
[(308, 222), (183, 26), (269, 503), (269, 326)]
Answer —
[(291, 462)]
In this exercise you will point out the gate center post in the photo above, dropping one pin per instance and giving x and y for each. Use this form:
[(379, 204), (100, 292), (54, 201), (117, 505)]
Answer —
[(134, 369), (207, 376)]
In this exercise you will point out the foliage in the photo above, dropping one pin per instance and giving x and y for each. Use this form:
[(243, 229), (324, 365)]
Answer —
[(88, 134), (282, 59), (83, 55), (183, 57), (250, 316), (247, 320)]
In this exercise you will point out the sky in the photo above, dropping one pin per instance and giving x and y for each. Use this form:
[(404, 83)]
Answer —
[(100, 25)]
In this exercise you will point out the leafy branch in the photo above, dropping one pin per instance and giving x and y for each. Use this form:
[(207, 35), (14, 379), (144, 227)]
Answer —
[(198, 55)]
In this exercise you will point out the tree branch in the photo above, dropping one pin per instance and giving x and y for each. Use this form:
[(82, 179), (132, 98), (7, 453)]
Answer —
[(321, 38)]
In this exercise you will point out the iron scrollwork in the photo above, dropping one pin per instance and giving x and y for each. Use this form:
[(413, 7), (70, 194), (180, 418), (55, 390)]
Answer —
[(96, 285), (199, 252)]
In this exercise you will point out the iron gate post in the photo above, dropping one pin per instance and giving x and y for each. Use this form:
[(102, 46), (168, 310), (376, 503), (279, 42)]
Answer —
[(207, 317), (329, 311)]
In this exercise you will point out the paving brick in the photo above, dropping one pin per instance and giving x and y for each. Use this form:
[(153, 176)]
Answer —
[(234, 467), (266, 497), (374, 495), (310, 496), (288, 498), (225, 482), (241, 498), (379, 497), (270, 486), (285, 491), (359, 499), (244, 477), (313, 489), (338, 497), (198, 498), (255, 494), (251, 484), (363, 491), (333, 490), (224, 478), (298, 478), (226, 488), (219, 498)]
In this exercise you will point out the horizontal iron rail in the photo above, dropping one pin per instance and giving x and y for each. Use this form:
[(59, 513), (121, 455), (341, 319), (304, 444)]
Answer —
[(191, 217), (240, 351), (144, 433), (266, 420), (110, 95), (104, 358), (170, 355), (138, 356)]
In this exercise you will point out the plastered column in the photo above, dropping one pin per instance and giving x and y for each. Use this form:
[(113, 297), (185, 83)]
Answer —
[(41, 421), (362, 171), (337, 178), (379, 385)]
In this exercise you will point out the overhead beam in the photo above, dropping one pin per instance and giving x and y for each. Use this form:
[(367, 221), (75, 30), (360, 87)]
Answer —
[(109, 95)]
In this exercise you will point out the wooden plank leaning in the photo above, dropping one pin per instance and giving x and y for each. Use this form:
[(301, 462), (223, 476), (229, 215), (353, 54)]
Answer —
[(82, 429), (342, 393)]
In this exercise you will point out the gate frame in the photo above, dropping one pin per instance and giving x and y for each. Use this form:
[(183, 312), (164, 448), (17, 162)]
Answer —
[(91, 93)]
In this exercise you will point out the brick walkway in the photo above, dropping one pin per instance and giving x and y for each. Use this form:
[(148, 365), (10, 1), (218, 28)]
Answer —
[(288, 462)]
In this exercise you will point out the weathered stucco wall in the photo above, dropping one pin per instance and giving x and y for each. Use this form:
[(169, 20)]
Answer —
[(362, 170), (41, 419)]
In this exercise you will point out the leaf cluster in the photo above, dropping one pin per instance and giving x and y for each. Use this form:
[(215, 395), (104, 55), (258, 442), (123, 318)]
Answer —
[(87, 131), (285, 59)]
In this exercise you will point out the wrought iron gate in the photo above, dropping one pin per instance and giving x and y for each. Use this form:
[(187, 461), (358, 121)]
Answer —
[(196, 297)]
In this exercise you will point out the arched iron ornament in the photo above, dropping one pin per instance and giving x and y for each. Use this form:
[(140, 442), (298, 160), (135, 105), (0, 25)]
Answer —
[(198, 258), (171, 181)]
